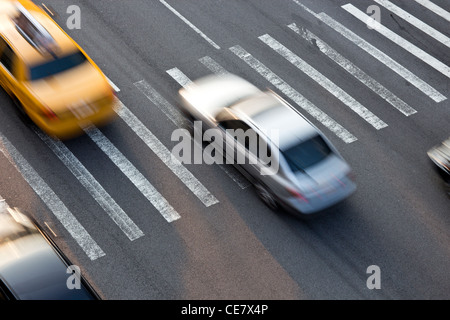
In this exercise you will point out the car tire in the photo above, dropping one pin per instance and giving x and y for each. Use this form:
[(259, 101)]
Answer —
[(267, 197), (188, 123), (21, 111), (447, 188)]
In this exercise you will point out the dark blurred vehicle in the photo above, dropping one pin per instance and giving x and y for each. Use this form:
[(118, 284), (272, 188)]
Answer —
[(440, 155), (305, 173), (31, 265)]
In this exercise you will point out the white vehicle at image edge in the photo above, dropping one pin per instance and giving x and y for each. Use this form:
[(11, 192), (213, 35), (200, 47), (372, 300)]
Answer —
[(311, 174)]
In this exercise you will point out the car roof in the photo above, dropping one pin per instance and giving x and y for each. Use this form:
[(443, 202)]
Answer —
[(9, 9), (219, 90), (267, 112), (31, 267)]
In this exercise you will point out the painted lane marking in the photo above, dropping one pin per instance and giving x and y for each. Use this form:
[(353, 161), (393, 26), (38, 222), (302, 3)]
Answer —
[(190, 24), (112, 84), (191, 182), (405, 44), (355, 71), (415, 22), (99, 194), (435, 8), (378, 54), (174, 114), (301, 101), (212, 65), (323, 81), (130, 171), (53, 202)]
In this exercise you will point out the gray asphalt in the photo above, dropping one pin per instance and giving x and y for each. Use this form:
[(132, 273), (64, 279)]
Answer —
[(399, 218)]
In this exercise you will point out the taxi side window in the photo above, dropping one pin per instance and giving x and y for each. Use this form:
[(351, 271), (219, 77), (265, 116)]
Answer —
[(7, 56)]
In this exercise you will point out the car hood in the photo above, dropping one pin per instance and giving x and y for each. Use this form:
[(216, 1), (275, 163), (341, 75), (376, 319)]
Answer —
[(83, 84), (328, 172)]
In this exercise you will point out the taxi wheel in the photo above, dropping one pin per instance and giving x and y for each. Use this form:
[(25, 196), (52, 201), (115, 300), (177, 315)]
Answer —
[(21, 111)]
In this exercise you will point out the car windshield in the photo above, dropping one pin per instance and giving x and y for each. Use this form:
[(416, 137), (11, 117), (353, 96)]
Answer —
[(307, 153), (56, 66)]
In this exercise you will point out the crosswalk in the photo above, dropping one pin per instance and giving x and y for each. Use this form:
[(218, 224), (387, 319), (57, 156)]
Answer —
[(268, 73)]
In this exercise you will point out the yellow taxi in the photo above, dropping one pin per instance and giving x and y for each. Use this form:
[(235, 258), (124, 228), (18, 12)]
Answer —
[(48, 74)]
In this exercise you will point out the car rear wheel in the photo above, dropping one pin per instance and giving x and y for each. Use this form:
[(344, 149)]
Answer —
[(267, 197), (21, 111), (447, 187)]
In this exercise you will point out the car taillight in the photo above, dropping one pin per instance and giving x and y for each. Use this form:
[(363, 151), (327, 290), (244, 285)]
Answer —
[(339, 180), (50, 114), (297, 194)]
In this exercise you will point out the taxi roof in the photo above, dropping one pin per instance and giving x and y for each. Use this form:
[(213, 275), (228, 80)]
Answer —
[(30, 55)]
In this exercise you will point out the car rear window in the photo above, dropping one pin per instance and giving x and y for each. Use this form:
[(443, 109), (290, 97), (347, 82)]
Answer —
[(56, 66), (307, 153)]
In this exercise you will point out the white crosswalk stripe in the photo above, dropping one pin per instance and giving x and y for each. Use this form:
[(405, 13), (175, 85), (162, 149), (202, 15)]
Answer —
[(204, 36), (384, 58), (100, 195), (435, 8), (189, 180), (172, 113), (290, 92), (405, 44), (133, 174), (116, 213), (327, 84), (355, 71), (439, 36), (179, 77), (53, 202), (377, 54), (212, 65)]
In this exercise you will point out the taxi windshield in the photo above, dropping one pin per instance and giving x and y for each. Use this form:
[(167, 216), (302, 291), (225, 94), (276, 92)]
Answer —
[(56, 66)]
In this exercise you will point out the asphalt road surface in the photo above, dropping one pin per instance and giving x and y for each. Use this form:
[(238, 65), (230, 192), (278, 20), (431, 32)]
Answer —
[(141, 228)]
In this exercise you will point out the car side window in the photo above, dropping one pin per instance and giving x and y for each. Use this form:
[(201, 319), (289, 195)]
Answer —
[(7, 56), (260, 147), (248, 135)]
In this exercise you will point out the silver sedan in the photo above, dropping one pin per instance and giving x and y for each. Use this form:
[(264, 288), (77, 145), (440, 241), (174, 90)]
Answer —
[(289, 161)]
